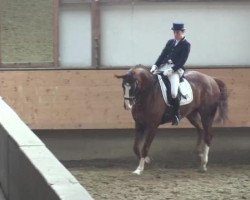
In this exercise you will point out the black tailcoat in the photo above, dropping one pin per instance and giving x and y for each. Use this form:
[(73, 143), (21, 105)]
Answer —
[(178, 54)]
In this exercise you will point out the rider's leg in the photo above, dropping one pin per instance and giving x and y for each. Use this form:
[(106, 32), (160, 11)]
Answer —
[(175, 81), (177, 116)]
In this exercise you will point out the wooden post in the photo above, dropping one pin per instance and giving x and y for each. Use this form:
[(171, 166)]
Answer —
[(56, 33), (1, 38), (96, 33)]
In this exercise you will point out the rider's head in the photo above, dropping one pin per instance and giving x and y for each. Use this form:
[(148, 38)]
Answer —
[(179, 30)]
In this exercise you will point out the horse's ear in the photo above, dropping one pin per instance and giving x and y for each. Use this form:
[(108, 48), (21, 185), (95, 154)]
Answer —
[(120, 76)]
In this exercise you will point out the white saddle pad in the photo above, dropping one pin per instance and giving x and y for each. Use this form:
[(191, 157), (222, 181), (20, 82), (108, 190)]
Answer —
[(185, 89)]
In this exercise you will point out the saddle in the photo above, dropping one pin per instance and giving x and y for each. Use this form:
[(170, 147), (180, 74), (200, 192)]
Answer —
[(168, 88), (185, 93)]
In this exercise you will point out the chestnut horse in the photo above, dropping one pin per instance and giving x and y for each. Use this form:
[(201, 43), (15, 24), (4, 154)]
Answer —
[(142, 94)]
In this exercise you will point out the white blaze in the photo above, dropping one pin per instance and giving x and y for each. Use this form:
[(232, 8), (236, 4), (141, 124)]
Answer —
[(126, 95)]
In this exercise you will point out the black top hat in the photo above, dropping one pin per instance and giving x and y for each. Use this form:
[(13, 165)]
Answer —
[(178, 27)]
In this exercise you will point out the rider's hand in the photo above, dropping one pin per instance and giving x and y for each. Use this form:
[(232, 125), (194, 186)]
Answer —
[(153, 68), (170, 61), (168, 72)]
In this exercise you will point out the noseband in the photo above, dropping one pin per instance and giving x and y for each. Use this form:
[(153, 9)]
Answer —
[(129, 98)]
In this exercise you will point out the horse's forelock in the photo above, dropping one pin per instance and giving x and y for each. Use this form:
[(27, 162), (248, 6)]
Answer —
[(128, 75)]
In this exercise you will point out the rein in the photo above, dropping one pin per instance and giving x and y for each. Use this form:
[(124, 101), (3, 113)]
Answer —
[(130, 98)]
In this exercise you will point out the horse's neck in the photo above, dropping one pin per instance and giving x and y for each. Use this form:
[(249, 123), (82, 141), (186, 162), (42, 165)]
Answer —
[(157, 89), (149, 92), (154, 91)]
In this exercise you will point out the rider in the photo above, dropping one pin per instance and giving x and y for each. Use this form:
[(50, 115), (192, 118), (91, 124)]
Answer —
[(171, 61)]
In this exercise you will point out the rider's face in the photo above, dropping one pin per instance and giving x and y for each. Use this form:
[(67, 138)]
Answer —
[(178, 35)]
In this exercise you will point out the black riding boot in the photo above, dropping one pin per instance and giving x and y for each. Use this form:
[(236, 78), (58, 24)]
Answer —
[(177, 116)]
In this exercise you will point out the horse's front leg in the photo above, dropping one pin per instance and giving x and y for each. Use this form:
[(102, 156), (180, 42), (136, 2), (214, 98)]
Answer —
[(139, 130), (150, 133), (139, 133)]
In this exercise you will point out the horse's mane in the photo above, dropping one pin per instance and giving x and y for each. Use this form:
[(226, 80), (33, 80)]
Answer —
[(140, 67), (143, 74), (142, 70)]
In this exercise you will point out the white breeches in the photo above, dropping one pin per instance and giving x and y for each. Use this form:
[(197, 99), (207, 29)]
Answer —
[(174, 79)]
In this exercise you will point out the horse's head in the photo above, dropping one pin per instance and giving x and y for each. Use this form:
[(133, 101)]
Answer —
[(130, 86), (134, 82)]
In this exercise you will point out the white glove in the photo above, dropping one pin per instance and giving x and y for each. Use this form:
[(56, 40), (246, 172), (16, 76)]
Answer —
[(153, 68), (170, 61), (168, 72)]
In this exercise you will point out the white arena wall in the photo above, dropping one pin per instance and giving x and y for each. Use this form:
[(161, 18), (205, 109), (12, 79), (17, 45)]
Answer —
[(135, 33), (28, 170)]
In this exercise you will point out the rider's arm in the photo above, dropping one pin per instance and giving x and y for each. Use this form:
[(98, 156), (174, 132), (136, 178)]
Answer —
[(164, 53), (183, 57)]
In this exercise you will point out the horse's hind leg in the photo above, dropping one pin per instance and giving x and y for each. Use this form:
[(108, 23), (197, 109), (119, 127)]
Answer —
[(195, 120), (207, 122)]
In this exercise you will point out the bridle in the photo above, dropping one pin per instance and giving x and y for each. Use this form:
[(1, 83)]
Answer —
[(135, 91), (130, 98)]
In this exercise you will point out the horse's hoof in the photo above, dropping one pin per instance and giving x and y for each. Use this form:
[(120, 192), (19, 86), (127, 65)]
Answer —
[(147, 160), (137, 172), (203, 169)]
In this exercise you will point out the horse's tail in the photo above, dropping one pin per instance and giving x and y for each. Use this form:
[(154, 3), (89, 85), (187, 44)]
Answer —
[(223, 102)]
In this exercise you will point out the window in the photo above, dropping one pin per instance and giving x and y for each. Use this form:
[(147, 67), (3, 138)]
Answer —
[(114, 33), (75, 35)]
